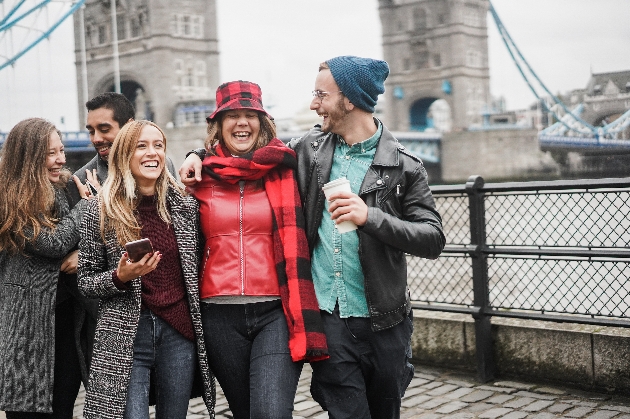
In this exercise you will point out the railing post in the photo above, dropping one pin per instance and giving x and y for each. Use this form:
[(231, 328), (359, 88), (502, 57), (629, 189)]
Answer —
[(483, 327)]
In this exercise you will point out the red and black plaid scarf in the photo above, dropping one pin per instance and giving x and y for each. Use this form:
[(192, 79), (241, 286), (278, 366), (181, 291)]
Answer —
[(275, 164)]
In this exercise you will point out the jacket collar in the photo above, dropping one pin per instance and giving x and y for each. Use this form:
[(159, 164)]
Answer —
[(386, 150), (386, 155)]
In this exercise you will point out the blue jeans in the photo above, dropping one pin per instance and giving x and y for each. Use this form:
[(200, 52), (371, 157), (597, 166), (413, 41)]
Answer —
[(172, 358), (248, 351), (367, 372)]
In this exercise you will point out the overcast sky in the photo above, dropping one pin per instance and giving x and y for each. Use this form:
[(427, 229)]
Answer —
[(279, 44)]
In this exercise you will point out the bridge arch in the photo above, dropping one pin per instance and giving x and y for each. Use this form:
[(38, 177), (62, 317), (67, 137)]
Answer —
[(430, 114), (133, 89), (607, 115)]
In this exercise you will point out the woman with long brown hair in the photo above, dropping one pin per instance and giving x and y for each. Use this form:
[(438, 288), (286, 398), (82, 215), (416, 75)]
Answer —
[(149, 323), (39, 364)]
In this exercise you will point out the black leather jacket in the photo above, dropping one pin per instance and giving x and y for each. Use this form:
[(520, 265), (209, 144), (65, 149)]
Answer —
[(402, 217)]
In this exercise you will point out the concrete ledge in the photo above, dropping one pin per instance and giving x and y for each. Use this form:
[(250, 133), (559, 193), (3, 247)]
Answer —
[(591, 357)]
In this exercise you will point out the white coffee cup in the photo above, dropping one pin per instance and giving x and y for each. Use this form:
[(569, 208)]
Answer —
[(341, 184)]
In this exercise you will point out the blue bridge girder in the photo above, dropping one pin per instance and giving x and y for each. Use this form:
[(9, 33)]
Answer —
[(73, 141)]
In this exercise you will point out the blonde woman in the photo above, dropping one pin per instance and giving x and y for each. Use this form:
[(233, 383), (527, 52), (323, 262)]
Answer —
[(39, 364), (149, 324)]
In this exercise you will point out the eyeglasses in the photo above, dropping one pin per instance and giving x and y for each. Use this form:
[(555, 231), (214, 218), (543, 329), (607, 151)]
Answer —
[(320, 94)]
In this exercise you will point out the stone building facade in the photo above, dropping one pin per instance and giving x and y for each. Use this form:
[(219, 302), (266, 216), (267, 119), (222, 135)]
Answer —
[(437, 49), (168, 55), (606, 97)]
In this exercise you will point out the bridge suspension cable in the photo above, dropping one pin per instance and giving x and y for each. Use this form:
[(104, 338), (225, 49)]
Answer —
[(24, 22), (582, 127)]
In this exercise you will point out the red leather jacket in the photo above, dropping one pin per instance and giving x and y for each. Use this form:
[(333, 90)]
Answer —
[(236, 221)]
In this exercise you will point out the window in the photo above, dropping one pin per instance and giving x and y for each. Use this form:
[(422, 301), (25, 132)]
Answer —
[(187, 115), (89, 36), (420, 56), (200, 74), (437, 60), (102, 34), (142, 20), (419, 20), (187, 26), (188, 79), (200, 67), (186, 31), (121, 28), (136, 29), (406, 64), (422, 59), (197, 26)]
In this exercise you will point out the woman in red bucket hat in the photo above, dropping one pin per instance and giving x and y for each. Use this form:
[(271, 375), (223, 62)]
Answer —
[(259, 310)]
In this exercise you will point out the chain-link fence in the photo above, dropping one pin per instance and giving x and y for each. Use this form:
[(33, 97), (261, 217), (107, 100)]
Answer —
[(541, 250)]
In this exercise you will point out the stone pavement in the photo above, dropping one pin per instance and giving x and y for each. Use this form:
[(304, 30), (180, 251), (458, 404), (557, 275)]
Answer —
[(439, 393)]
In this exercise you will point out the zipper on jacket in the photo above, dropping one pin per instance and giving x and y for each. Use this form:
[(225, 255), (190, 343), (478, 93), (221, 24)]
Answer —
[(241, 185), (205, 262), (391, 191)]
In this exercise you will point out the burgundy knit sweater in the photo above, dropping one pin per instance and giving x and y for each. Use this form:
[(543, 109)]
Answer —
[(163, 290)]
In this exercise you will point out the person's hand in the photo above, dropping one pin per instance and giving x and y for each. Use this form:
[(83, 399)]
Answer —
[(190, 172), (84, 191), (70, 263), (347, 206), (91, 177), (128, 270)]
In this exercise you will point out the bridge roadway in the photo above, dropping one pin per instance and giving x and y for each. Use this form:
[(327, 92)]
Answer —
[(440, 393)]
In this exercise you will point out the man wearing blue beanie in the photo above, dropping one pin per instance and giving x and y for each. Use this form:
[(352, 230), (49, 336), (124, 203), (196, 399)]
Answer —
[(360, 276)]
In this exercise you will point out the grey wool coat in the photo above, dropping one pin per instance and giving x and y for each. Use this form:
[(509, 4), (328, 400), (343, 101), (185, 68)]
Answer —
[(28, 291), (119, 311)]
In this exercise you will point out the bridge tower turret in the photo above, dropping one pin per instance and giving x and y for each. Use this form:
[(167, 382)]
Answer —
[(168, 55), (436, 49)]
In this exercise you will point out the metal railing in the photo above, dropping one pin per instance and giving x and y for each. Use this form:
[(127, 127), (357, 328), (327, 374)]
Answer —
[(557, 251)]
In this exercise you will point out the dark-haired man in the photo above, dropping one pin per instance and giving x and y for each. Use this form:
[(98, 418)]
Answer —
[(107, 113)]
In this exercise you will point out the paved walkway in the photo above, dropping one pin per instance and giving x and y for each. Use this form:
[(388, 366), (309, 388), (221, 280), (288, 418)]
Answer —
[(439, 393)]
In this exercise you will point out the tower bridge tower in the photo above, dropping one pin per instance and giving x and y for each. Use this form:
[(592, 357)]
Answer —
[(436, 49), (168, 57)]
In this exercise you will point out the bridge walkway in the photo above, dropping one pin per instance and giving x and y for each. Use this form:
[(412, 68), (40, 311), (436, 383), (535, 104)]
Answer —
[(440, 393)]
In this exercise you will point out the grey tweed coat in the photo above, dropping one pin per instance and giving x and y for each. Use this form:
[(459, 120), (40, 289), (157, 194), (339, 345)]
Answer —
[(119, 311), (28, 290)]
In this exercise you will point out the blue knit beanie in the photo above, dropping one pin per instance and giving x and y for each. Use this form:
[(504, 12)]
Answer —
[(360, 79)]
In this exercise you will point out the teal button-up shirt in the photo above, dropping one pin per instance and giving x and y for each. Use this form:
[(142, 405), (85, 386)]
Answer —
[(336, 267)]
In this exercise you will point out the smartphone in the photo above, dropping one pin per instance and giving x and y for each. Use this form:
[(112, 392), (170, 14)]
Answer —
[(91, 187), (138, 248)]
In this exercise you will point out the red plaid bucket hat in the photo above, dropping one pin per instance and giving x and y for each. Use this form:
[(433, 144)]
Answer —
[(238, 95)]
